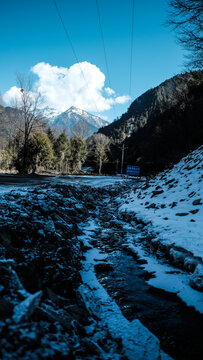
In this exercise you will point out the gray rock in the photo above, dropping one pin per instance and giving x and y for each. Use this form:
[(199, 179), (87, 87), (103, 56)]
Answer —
[(182, 214), (26, 308), (197, 202), (196, 279)]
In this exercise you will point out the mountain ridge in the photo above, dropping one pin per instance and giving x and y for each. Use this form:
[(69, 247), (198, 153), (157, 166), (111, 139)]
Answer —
[(78, 121), (162, 124)]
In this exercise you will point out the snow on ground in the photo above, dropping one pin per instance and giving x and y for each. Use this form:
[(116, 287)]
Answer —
[(172, 204), (90, 180), (138, 342)]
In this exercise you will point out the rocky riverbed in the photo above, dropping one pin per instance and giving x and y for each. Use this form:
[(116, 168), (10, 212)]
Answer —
[(56, 244), (42, 315)]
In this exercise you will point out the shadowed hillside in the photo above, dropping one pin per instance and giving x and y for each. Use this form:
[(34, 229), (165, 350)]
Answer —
[(162, 125)]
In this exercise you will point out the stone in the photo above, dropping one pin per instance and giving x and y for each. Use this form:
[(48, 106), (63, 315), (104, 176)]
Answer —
[(152, 206), (182, 214), (103, 267), (156, 192), (196, 279), (194, 211), (26, 308), (197, 202), (173, 204)]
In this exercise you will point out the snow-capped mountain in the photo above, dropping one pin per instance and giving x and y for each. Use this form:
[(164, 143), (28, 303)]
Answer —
[(49, 114), (78, 122)]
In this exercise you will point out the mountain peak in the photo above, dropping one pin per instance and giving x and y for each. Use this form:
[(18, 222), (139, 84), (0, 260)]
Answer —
[(75, 121)]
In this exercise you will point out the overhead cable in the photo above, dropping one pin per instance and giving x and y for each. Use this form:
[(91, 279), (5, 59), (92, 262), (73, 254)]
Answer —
[(131, 48), (104, 49), (74, 52)]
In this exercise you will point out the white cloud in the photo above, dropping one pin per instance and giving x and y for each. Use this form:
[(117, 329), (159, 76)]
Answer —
[(81, 85), (12, 96), (122, 99), (109, 91)]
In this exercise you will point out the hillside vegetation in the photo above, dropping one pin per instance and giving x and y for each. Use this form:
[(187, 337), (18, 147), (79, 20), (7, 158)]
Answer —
[(162, 125)]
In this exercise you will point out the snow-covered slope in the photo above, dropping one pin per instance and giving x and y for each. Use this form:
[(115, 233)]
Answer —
[(170, 208), (173, 203)]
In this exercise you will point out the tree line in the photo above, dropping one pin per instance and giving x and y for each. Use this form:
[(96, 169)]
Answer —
[(33, 146), (44, 152)]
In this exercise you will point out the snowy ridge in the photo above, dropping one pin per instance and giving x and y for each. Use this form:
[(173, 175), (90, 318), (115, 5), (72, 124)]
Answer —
[(75, 120), (172, 202), (49, 114)]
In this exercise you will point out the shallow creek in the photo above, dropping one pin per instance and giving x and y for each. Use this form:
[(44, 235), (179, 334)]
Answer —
[(178, 326)]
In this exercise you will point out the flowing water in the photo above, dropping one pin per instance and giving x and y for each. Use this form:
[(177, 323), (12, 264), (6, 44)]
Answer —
[(179, 328)]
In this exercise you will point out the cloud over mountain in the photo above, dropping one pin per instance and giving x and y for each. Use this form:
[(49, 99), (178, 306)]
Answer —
[(81, 85)]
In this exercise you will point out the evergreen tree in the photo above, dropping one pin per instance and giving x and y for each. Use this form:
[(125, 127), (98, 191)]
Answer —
[(39, 153), (62, 152), (78, 152), (51, 136), (7, 157)]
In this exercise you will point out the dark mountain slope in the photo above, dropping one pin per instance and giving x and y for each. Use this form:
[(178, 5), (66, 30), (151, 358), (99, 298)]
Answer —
[(163, 124)]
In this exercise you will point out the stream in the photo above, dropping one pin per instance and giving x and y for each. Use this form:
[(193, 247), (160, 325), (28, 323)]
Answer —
[(178, 326)]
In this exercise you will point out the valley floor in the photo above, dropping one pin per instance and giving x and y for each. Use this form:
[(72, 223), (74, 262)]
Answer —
[(102, 268)]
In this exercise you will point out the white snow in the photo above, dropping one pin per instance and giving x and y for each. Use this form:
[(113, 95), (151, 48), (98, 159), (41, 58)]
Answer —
[(182, 193), (138, 342), (174, 223), (90, 180)]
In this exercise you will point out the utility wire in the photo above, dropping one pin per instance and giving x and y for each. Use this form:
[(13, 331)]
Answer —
[(74, 52), (131, 50), (104, 48)]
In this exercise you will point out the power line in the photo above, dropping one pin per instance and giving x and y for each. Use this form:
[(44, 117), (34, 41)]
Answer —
[(131, 50), (104, 48), (74, 52)]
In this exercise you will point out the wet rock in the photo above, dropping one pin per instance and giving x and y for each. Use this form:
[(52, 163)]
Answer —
[(103, 267), (194, 211), (191, 194), (173, 204), (152, 206), (182, 214), (190, 264), (156, 192), (196, 279), (177, 257), (26, 308), (57, 315), (197, 202)]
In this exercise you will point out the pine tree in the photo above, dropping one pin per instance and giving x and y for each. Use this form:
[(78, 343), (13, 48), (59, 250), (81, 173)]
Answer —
[(78, 152), (62, 152), (40, 151)]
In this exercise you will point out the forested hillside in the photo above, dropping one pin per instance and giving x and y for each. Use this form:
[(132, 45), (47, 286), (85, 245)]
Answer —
[(162, 125)]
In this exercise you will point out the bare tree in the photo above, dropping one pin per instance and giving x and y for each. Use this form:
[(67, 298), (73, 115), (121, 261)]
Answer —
[(186, 17), (100, 147), (28, 103)]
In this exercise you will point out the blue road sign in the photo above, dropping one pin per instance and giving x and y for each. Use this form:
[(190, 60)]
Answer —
[(132, 170)]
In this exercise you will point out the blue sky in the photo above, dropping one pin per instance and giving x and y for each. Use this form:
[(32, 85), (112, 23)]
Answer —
[(31, 33)]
